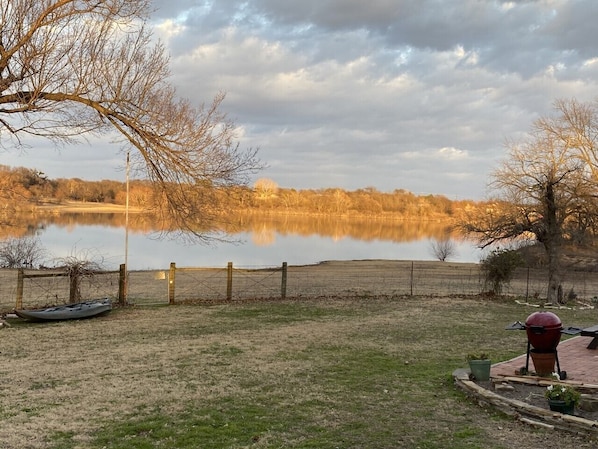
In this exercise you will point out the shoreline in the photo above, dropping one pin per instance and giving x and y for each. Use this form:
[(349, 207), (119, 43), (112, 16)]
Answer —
[(81, 206)]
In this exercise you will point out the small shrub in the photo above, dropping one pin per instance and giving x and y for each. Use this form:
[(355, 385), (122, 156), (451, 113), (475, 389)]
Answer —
[(443, 249), (498, 268), (23, 252)]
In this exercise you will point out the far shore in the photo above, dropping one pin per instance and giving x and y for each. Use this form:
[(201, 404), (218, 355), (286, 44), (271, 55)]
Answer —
[(82, 206)]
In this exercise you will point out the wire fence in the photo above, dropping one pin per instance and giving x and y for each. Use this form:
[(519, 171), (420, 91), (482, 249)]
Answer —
[(366, 278)]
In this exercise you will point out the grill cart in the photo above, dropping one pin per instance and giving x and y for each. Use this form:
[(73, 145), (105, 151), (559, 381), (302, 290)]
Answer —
[(543, 330)]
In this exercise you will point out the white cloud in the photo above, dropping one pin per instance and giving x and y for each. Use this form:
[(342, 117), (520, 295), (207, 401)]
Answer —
[(451, 153), (386, 93), (168, 29)]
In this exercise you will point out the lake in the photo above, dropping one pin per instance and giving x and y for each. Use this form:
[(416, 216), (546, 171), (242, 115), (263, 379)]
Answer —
[(266, 245)]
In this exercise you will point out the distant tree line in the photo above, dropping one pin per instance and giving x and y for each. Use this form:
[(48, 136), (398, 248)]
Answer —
[(24, 187), (21, 187)]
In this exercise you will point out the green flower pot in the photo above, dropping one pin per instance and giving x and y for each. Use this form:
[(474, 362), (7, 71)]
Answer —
[(561, 407), (480, 369)]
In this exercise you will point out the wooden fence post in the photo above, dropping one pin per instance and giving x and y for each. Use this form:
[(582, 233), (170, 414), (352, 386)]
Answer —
[(283, 287), (171, 283), (411, 278), (122, 284), (74, 286), (229, 281), (19, 301)]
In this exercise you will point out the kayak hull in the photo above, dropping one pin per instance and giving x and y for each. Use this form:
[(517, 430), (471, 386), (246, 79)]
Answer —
[(81, 310)]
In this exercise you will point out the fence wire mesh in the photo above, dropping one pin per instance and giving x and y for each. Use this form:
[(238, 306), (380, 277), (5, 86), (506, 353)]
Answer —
[(43, 288), (328, 279)]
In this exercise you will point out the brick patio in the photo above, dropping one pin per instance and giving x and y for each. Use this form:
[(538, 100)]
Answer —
[(580, 363)]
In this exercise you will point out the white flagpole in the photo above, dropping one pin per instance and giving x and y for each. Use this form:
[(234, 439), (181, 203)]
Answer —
[(127, 234)]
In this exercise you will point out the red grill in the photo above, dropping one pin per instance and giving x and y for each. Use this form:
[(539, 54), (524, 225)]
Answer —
[(544, 331)]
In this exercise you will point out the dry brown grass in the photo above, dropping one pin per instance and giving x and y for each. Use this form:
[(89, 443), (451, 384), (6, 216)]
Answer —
[(77, 377)]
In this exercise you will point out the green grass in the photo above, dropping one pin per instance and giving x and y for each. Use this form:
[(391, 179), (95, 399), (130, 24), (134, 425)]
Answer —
[(338, 374)]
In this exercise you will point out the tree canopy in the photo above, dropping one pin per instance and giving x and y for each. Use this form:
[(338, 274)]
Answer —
[(70, 68)]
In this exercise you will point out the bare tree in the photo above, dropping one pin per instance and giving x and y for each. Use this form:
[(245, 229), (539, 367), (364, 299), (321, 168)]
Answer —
[(575, 126), (443, 249), (24, 252), (542, 191), (73, 67), (265, 188)]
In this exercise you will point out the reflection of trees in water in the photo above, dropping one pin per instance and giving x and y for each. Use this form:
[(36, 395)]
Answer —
[(26, 224), (263, 235), (356, 228), (262, 227)]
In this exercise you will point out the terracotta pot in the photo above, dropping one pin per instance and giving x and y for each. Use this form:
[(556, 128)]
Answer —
[(544, 362)]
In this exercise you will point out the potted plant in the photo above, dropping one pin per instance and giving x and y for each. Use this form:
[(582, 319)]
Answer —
[(479, 365), (561, 397)]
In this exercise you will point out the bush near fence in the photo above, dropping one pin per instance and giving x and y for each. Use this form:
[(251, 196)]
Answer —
[(365, 278)]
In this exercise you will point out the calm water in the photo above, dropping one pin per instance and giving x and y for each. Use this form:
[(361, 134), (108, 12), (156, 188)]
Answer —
[(95, 242)]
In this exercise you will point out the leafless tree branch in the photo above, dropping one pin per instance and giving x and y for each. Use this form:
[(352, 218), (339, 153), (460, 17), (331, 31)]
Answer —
[(69, 68)]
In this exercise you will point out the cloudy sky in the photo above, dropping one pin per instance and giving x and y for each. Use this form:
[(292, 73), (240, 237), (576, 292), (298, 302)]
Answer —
[(391, 94)]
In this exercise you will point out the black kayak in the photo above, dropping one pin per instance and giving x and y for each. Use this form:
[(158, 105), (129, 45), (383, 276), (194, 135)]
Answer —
[(76, 311)]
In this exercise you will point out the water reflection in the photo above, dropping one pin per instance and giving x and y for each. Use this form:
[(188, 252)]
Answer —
[(339, 228), (262, 241)]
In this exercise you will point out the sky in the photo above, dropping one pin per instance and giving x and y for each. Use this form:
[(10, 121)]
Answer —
[(418, 95)]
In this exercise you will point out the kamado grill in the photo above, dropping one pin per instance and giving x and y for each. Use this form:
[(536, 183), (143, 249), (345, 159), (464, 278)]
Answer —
[(543, 331)]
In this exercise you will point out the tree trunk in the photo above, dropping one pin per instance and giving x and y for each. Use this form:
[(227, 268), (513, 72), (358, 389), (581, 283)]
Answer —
[(554, 274), (552, 243)]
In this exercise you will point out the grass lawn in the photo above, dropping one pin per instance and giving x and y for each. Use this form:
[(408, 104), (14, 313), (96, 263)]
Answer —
[(338, 373)]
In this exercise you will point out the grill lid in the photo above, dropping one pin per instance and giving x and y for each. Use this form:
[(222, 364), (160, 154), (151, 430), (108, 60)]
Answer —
[(547, 320), (543, 330)]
